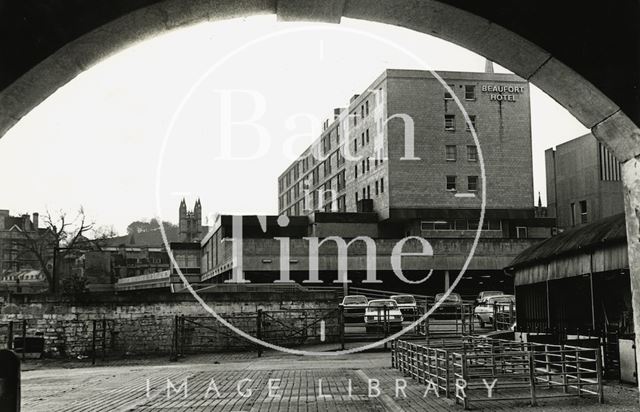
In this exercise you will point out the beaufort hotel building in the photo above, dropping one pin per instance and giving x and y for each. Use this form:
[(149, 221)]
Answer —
[(361, 178), (438, 187)]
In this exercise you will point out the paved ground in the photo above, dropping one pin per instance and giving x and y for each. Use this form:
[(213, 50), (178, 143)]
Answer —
[(303, 383)]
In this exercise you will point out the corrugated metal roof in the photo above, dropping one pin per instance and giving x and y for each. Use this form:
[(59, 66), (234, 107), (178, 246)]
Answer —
[(594, 235)]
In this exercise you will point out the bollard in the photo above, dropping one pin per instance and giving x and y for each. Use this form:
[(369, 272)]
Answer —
[(9, 381)]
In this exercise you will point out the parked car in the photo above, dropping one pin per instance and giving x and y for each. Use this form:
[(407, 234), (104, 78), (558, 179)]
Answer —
[(482, 296), (380, 312), (449, 308), (354, 307), (485, 311), (407, 305)]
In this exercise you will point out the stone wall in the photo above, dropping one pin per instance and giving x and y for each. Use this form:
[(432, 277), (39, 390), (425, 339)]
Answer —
[(146, 328)]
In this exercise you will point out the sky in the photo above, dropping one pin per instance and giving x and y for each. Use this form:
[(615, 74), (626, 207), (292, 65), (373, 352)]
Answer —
[(128, 138)]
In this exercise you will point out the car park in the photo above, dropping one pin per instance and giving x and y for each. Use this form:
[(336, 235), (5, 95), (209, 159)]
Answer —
[(407, 305), (486, 311), (383, 314), (354, 307)]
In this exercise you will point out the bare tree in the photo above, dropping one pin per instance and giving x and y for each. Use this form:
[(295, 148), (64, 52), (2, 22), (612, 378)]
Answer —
[(61, 237)]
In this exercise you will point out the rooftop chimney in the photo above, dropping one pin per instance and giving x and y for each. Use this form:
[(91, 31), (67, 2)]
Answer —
[(488, 66), (34, 220)]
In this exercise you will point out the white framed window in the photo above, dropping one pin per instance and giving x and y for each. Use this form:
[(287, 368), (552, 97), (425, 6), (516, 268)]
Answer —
[(450, 153), (469, 92), (472, 153), (473, 118), (451, 183), (472, 183), (449, 122)]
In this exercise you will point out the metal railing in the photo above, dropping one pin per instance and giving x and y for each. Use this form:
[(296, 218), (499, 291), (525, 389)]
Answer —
[(476, 369)]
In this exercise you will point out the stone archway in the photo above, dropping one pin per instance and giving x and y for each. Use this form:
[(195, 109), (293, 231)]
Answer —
[(580, 97)]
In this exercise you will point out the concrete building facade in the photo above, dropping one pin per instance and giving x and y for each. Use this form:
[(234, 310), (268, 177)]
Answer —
[(583, 182)]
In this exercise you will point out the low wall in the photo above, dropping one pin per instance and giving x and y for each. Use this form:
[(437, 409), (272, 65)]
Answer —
[(143, 328)]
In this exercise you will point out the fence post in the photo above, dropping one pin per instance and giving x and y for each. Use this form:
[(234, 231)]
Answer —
[(10, 336), (341, 325), (93, 343), (599, 375), (532, 378), (174, 341), (386, 324), (565, 380), (447, 373), (465, 378), (393, 353), (259, 330), (579, 372), (24, 338), (104, 338)]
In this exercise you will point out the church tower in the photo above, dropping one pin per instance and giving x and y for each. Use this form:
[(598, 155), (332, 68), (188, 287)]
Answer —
[(190, 222)]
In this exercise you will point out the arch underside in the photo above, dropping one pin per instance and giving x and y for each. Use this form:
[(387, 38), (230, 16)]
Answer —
[(581, 98)]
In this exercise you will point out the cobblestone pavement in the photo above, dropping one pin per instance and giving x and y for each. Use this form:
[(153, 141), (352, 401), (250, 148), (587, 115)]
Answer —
[(241, 382)]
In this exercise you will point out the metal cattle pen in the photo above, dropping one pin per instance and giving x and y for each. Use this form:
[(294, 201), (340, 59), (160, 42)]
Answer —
[(476, 369)]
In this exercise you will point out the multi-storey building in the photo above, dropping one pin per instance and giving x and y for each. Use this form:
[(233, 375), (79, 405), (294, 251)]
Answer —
[(361, 160), (583, 182), (366, 176)]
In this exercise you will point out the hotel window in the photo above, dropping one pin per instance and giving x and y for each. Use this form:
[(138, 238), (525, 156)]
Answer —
[(447, 95), (327, 167), (377, 188), (355, 171), (449, 122), (364, 193), (472, 153), (583, 211), (355, 145), (362, 111), (366, 133), (451, 183), (362, 166), (368, 192), (362, 138), (573, 214), (469, 92), (382, 185), (450, 153), (326, 144), (472, 117), (472, 183), (366, 108), (367, 164)]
